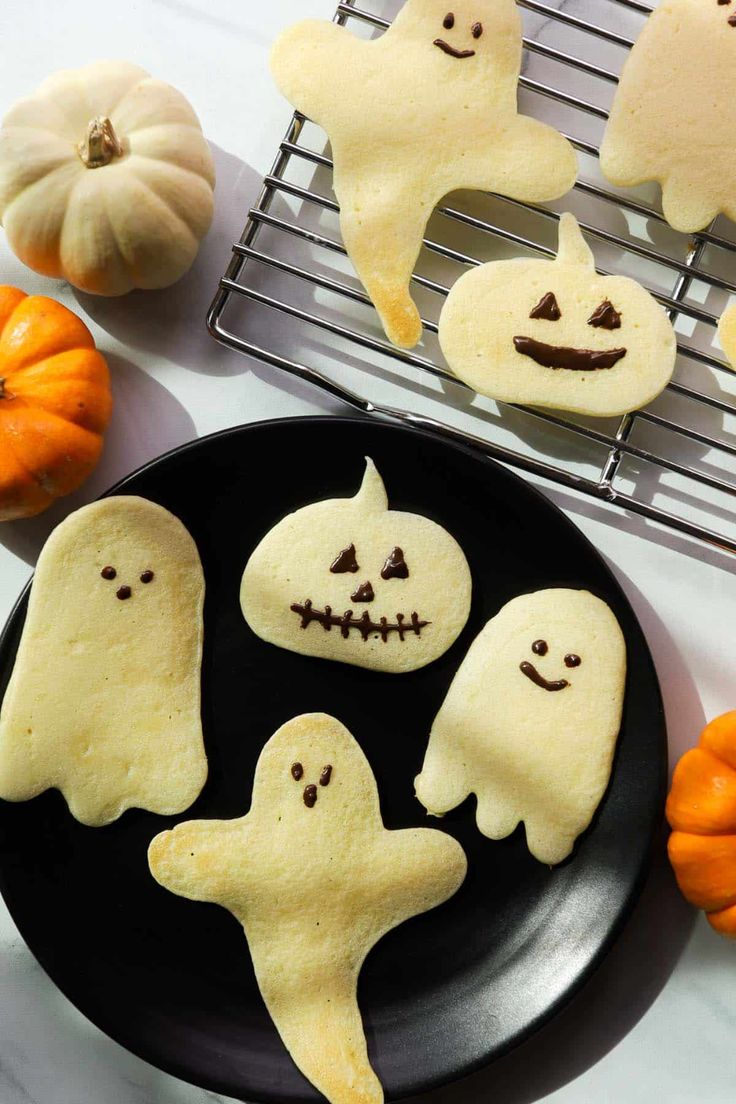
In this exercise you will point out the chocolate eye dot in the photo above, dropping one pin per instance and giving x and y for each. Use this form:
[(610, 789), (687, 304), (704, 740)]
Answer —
[(449, 21), (326, 775), (108, 573), (123, 593), (147, 577), (540, 647), (297, 772), (477, 30), (572, 660)]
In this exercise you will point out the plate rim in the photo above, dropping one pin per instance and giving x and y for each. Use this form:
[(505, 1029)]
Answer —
[(417, 1086)]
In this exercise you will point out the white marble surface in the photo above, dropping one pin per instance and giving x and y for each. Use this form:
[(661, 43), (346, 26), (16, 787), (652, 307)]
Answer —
[(659, 1018)]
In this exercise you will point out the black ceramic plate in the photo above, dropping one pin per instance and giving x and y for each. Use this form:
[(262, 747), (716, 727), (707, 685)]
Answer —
[(446, 992)]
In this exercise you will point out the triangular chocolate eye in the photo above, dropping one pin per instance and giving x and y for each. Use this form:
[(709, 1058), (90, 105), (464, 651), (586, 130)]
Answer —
[(395, 566), (605, 317), (346, 562), (547, 308)]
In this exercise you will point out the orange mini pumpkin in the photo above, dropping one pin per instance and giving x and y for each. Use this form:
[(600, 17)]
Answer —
[(701, 808), (55, 402)]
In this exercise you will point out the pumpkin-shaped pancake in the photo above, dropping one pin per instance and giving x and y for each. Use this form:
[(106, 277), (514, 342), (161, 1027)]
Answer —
[(557, 334), (348, 579)]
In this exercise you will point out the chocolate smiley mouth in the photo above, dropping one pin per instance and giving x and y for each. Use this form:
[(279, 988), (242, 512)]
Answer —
[(365, 624), (533, 674), (574, 360), (448, 49)]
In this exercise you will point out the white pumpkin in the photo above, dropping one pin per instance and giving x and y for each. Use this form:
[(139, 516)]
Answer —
[(106, 179)]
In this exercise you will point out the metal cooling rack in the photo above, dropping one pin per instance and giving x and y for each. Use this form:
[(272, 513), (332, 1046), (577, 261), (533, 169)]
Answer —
[(290, 298)]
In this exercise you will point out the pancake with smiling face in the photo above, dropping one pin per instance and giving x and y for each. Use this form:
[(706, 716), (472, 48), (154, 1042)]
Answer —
[(427, 108), (531, 720), (556, 334)]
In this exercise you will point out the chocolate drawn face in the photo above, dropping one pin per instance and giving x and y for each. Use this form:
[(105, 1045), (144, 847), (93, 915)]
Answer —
[(310, 792), (351, 580), (394, 567), (124, 592), (605, 317), (541, 648), (448, 24)]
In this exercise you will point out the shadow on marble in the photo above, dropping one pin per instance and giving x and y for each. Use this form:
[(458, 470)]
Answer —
[(655, 534), (682, 704), (147, 421), (171, 323)]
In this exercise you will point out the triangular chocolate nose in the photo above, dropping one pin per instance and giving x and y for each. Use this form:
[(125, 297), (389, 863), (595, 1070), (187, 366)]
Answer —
[(395, 566), (346, 562), (364, 593)]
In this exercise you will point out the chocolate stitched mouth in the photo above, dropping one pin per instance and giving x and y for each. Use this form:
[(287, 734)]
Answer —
[(575, 360), (448, 49), (532, 673), (365, 625)]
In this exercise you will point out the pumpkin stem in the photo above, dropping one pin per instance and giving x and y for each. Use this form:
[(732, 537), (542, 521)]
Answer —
[(100, 144), (3, 392)]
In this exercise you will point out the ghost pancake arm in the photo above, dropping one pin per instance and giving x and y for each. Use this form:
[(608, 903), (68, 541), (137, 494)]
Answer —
[(201, 859), (528, 161), (314, 66), (420, 868)]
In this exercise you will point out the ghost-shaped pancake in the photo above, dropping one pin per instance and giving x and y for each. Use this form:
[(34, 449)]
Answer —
[(531, 720), (104, 700), (316, 880), (429, 107), (348, 579), (674, 115), (556, 334)]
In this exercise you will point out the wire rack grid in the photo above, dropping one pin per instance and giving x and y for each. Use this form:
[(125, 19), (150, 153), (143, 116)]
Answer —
[(673, 463)]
